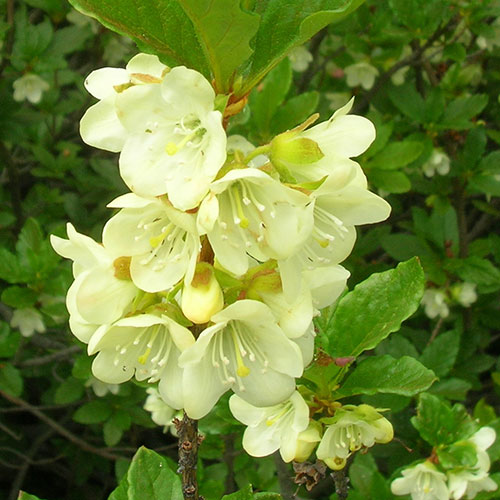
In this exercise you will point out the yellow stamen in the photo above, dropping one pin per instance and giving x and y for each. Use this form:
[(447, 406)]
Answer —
[(144, 357), (243, 370), (172, 148), (155, 241), (239, 209)]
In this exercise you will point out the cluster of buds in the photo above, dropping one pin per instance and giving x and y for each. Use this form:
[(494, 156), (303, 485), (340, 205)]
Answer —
[(210, 272), (430, 480)]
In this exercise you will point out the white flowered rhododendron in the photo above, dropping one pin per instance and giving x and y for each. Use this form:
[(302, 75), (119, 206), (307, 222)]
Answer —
[(213, 266)]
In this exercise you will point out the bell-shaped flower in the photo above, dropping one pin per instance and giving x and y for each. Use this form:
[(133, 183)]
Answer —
[(244, 350), (102, 291), (350, 429), (307, 440), (272, 427), (101, 126), (326, 284), (163, 242), (161, 413), (176, 143), (341, 137), (435, 303), (423, 482), (147, 346), (253, 214)]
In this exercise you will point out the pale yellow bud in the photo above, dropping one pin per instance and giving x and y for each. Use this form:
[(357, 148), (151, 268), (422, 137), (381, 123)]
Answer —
[(203, 297)]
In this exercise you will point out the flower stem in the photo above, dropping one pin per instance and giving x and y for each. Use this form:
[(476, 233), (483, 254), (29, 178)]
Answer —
[(189, 441)]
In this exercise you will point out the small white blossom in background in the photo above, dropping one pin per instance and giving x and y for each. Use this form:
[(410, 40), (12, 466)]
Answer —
[(101, 388), (28, 321), (361, 74), (300, 58), (464, 293), (352, 428), (439, 162), (435, 303), (423, 482), (30, 87), (161, 414), (491, 42)]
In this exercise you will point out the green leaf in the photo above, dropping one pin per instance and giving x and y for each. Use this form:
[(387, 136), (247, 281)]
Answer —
[(69, 391), (367, 480), (26, 496), (93, 412), (9, 341), (149, 476), (121, 491), (392, 182), (440, 424), (440, 355), (462, 454), (295, 111), (244, 494), (477, 270), (408, 101), (375, 308), (10, 270), (487, 184), (385, 374), (458, 112), (19, 297), (111, 433), (10, 380), (452, 388), (285, 24), (397, 154), (266, 98), (267, 496), (455, 52)]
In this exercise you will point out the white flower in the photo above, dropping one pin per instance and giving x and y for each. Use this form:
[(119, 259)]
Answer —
[(253, 214), (28, 321), (351, 428), (341, 137), (102, 291), (161, 413), (246, 351), (101, 388), (340, 203), (163, 242), (434, 302), (176, 143), (361, 73), (300, 58), (147, 346), (272, 427), (101, 126), (464, 293), (326, 284), (471, 481), (30, 87), (439, 162), (423, 482)]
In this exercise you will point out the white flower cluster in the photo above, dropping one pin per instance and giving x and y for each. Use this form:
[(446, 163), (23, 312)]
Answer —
[(210, 273), (427, 481), (288, 427), (436, 300)]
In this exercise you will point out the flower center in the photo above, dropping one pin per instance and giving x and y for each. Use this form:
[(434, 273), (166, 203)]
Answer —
[(191, 132)]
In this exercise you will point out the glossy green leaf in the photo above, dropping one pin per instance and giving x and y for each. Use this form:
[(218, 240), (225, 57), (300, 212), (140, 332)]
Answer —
[(390, 181), (149, 476), (397, 154), (384, 374), (26, 496), (439, 423), (243, 494), (375, 308)]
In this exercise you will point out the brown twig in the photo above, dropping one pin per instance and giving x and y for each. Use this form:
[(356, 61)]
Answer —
[(58, 428), (284, 477), (49, 358), (189, 441)]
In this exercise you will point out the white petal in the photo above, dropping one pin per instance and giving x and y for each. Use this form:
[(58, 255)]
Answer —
[(100, 82)]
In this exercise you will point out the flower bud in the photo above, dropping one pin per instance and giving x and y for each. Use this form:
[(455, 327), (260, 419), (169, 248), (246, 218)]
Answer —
[(202, 298), (307, 440), (288, 147)]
